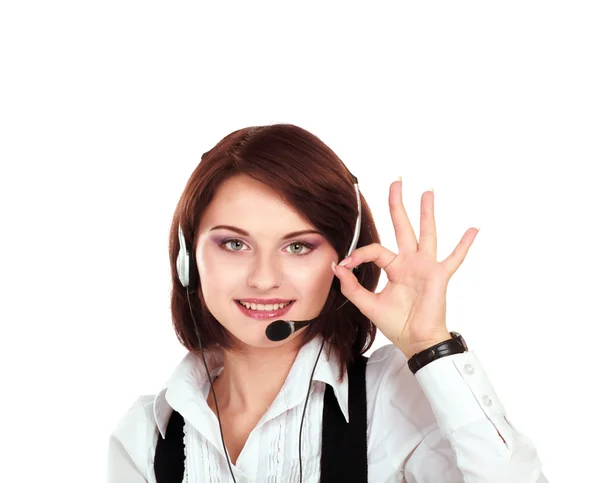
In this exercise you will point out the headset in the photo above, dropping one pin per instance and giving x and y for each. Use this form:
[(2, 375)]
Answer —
[(277, 330)]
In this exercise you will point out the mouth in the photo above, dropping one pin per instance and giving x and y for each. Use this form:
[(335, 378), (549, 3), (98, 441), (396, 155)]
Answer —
[(264, 314)]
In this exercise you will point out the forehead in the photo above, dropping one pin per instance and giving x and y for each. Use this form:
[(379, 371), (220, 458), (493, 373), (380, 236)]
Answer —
[(247, 203)]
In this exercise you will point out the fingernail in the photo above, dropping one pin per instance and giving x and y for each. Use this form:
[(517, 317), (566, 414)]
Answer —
[(345, 261), (399, 178)]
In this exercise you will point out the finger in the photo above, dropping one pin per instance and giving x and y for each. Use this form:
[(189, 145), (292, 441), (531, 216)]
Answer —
[(428, 234), (405, 235), (455, 259), (374, 252), (365, 300)]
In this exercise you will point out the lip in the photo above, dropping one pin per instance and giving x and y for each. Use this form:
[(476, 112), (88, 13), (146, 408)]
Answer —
[(263, 314), (266, 301)]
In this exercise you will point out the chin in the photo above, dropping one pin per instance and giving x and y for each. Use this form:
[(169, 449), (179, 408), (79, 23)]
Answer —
[(257, 339)]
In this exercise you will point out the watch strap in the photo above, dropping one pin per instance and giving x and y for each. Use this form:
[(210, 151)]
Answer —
[(455, 345)]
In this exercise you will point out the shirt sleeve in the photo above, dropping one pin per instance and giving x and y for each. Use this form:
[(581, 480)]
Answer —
[(473, 439), (444, 424), (130, 443)]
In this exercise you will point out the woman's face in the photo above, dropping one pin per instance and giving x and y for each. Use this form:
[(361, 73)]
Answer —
[(265, 263)]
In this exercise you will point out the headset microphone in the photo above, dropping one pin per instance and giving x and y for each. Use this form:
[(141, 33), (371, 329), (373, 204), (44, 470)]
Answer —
[(282, 329)]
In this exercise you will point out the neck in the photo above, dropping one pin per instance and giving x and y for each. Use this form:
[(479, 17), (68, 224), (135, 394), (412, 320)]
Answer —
[(251, 379)]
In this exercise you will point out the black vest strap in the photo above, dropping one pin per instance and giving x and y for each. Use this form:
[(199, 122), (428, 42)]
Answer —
[(169, 456), (344, 445)]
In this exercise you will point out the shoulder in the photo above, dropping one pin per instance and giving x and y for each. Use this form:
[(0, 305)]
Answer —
[(140, 415), (134, 437)]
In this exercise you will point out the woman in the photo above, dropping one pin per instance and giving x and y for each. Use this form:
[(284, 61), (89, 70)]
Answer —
[(264, 219)]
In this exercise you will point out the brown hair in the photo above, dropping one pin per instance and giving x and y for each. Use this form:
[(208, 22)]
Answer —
[(311, 178)]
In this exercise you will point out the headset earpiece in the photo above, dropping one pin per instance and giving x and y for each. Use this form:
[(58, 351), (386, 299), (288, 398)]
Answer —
[(183, 260)]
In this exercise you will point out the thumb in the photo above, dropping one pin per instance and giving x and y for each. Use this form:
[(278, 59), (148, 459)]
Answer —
[(364, 299)]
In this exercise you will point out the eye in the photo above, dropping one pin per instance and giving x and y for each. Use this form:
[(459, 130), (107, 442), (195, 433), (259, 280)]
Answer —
[(236, 243), (301, 245)]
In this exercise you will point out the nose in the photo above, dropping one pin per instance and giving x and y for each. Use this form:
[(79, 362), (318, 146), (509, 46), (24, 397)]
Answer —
[(265, 273)]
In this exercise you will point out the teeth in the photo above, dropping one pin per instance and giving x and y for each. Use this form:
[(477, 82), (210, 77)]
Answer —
[(266, 307)]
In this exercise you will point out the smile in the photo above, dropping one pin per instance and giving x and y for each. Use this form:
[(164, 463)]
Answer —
[(264, 314)]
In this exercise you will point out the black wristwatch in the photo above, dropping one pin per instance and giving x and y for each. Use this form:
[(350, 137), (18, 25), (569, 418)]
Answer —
[(456, 345)]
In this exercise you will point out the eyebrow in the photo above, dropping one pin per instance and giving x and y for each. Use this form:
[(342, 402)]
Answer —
[(245, 233)]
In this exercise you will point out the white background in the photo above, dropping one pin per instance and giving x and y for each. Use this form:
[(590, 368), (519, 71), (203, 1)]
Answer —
[(106, 108)]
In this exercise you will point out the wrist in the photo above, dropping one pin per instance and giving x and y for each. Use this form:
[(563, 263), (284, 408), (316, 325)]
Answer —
[(424, 345)]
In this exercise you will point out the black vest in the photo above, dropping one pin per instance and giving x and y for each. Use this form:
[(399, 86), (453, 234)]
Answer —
[(344, 445)]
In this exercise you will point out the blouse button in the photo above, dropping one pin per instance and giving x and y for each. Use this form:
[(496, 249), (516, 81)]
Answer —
[(469, 369), (487, 400)]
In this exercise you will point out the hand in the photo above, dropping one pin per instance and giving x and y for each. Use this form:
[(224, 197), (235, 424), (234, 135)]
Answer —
[(411, 309)]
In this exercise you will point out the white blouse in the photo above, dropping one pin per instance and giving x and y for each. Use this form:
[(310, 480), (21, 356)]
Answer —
[(444, 424)]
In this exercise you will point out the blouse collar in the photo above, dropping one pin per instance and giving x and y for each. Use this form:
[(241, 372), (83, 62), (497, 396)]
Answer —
[(188, 387)]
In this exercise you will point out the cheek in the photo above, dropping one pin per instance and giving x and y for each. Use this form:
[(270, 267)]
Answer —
[(217, 270), (314, 279)]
